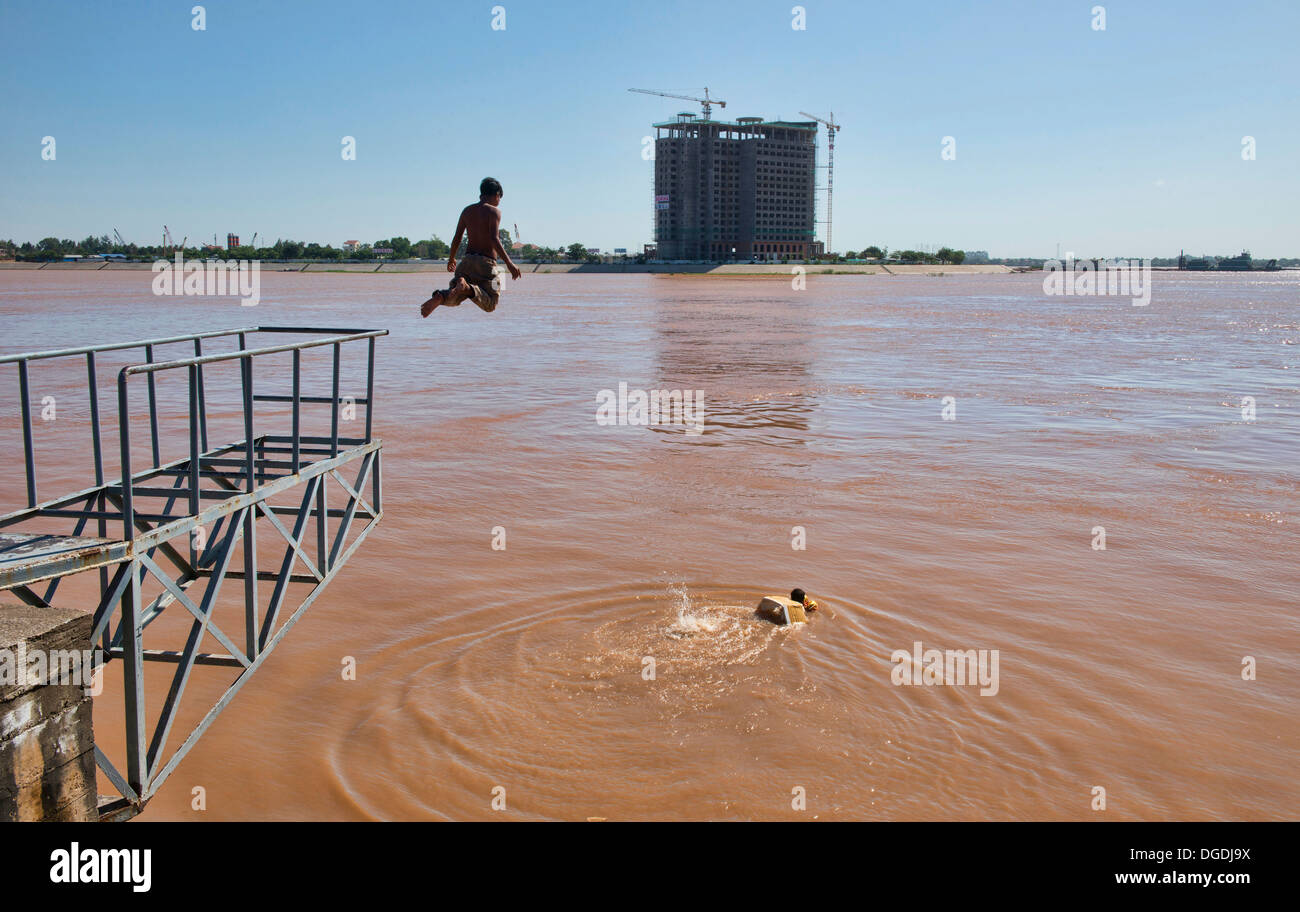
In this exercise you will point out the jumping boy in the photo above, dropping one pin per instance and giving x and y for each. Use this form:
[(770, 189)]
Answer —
[(476, 276)]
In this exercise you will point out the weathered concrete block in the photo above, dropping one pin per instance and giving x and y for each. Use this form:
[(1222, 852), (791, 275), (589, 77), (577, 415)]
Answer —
[(47, 744), (781, 611)]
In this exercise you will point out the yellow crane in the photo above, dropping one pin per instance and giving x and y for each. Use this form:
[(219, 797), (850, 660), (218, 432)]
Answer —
[(831, 129)]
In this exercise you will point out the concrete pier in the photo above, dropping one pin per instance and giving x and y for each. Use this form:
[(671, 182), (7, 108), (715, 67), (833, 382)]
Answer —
[(47, 742)]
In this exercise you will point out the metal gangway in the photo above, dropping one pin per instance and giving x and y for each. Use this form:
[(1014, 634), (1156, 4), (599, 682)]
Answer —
[(166, 535)]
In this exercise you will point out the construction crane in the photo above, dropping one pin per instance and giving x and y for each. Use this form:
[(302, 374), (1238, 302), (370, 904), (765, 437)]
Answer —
[(169, 241), (117, 234), (706, 101), (831, 129), (253, 242)]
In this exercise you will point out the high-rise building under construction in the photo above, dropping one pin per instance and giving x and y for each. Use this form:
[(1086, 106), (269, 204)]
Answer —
[(741, 191)]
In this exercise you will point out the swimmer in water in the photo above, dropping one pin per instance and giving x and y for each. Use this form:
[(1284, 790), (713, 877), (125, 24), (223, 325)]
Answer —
[(798, 595)]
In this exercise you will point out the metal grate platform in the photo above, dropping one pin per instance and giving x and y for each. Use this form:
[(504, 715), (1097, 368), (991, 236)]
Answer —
[(183, 522)]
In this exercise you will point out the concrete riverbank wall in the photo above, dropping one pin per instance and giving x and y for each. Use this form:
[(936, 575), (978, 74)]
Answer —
[(47, 741)]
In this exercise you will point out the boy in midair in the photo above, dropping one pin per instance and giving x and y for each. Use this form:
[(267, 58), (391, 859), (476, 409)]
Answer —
[(475, 276)]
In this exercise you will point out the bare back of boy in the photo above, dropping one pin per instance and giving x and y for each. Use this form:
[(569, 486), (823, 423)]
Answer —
[(482, 223)]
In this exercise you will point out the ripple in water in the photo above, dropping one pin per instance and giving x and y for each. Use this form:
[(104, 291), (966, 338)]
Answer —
[(619, 685)]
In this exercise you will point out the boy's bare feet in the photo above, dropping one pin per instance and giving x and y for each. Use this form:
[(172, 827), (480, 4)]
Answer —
[(451, 297), (438, 297), (458, 292)]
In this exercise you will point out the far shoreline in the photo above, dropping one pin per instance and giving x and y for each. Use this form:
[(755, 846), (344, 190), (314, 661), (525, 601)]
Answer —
[(440, 266), (706, 270)]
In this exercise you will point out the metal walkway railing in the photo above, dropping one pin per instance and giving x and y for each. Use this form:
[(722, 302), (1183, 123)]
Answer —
[(214, 496)]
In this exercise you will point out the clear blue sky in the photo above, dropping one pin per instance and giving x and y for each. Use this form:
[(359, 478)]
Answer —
[(1122, 142)]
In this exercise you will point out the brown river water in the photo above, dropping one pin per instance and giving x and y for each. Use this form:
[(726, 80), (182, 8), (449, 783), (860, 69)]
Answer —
[(521, 673)]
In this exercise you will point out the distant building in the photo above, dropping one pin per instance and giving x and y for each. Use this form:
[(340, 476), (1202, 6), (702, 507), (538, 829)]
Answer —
[(232, 241), (742, 190), (351, 246)]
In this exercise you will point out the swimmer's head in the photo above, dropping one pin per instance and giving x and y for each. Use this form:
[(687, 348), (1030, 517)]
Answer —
[(798, 595)]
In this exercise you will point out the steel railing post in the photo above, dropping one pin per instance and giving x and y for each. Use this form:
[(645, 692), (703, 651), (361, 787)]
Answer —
[(203, 402), (297, 408), (250, 517), (195, 457), (124, 437), (370, 388), (133, 683), (28, 455), (153, 408)]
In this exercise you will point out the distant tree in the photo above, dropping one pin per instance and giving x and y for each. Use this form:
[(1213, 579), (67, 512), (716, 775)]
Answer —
[(400, 246), (872, 253), (434, 248), (576, 252), (505, 238)]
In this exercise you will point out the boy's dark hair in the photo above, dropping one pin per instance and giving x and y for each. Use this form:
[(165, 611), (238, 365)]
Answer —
[(796, 595), (490, 186)]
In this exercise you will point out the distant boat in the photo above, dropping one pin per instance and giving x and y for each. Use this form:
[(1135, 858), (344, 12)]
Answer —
[(1240, 263)]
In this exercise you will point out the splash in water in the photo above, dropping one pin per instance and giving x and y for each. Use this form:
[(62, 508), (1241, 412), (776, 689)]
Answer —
[(692, 620)]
